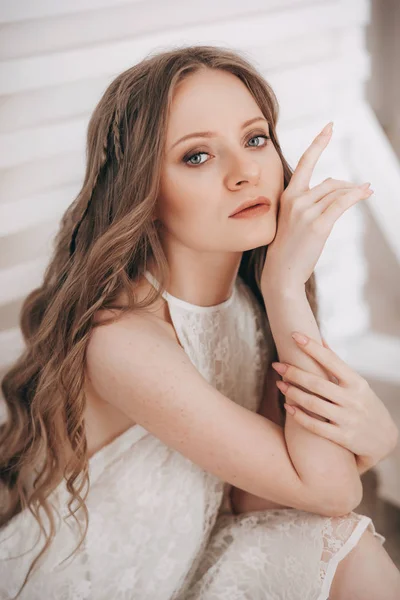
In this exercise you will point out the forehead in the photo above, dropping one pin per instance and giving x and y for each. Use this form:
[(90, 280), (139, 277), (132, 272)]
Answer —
[(209, 99)]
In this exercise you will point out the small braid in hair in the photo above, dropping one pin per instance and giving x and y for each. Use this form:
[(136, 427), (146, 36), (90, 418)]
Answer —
[(117, 135), (115, 128)]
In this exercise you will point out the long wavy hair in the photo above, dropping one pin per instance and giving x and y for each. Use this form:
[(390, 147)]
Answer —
[(104, 241)]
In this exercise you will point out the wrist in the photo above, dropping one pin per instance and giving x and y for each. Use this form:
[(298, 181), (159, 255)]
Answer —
[(277, 279), (275, 284)]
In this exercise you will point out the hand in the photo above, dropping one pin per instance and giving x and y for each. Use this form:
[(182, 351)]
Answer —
[(306, 217), (357, 419)]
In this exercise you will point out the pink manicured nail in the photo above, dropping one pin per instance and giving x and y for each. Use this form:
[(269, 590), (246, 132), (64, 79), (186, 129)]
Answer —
[(300, 338), (282, 385), (327, 130), (279, 367)]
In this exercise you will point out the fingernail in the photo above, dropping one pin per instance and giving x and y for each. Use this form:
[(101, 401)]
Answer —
[(282, 385), (327, 129), (364, 186), (278, 367), (290, 409), (300, 338)]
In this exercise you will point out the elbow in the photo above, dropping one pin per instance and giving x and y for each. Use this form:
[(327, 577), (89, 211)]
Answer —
[(355, 499), (340, 502)]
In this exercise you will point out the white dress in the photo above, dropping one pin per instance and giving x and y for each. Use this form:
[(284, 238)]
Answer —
[(160, 527)]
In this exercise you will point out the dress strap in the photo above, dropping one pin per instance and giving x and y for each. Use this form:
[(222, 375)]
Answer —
[(151, 279)]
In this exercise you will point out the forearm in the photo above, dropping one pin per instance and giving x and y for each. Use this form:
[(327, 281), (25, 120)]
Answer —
[(244, 502), (316, 459), (241, 500)]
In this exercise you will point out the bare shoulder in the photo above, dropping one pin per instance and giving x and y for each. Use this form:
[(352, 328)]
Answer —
[(130, 326), (156, 316)]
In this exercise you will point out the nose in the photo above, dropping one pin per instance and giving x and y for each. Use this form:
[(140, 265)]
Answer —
[(243, 171)]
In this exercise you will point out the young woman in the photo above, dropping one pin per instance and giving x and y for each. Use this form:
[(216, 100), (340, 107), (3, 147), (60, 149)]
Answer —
[(146, 453)]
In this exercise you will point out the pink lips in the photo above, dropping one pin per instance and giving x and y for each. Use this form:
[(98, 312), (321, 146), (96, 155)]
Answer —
[(250, 203)]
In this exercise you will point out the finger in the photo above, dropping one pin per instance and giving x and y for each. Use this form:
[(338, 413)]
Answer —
[(301, 176), (331, 214), (330, 361), (312, 383), (325, 343), (345, 197), (329, 431), (318, 192), (310, 402), (322, 195), (331, 377)]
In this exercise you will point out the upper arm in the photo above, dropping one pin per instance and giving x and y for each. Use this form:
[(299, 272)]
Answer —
[(141, 370)]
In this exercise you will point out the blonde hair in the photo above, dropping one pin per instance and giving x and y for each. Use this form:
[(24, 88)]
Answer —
[(105, 239)]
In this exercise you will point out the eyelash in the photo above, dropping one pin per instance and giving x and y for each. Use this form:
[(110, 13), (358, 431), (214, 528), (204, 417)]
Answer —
[(189, 156)]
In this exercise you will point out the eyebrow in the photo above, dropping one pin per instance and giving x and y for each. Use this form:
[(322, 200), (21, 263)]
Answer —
[(209, 134)]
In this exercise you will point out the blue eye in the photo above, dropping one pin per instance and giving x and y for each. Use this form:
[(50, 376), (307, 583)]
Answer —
[(188, 157)]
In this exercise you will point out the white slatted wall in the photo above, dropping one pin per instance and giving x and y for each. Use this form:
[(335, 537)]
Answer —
[(57, 58)]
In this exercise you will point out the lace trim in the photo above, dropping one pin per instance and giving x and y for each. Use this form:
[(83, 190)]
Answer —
[(340, 536)]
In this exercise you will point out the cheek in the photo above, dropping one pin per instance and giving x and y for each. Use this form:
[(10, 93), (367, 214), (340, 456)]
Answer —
[(277, 173), (181, 195)]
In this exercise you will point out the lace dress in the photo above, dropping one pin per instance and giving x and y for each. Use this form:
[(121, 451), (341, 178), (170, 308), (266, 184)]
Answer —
[(160, 527)]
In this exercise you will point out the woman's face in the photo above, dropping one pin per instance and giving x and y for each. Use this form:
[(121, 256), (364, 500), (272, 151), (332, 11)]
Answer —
[(204, 179)]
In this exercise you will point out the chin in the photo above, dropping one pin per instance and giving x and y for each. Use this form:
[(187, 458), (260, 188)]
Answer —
[(258, 239)]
